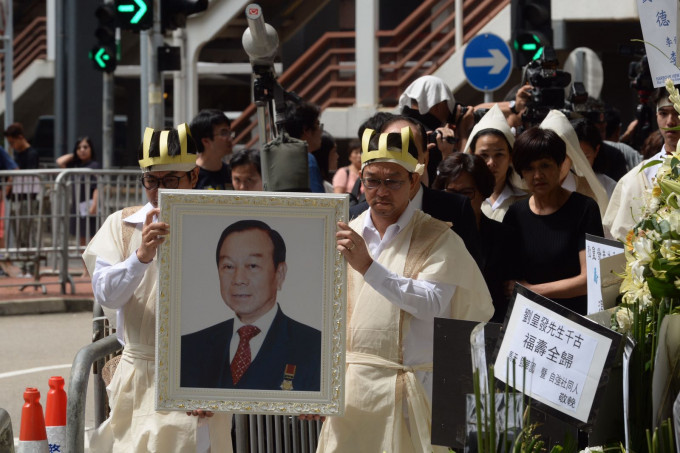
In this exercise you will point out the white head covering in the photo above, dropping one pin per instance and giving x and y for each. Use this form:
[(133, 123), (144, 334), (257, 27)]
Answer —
[(557, 122), (494, 119), (427, 91)]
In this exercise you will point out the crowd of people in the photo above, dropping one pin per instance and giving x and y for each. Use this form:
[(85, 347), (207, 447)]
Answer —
[(450, 209)]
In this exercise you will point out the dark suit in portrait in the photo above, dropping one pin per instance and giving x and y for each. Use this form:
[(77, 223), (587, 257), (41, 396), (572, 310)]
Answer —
[(205, 358), (447, 207)]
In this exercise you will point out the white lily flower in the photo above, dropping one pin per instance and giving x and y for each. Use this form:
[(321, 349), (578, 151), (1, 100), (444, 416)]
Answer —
[(624, 318), (644, 248)]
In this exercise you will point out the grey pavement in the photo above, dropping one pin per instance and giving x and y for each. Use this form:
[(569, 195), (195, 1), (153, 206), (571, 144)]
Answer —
[(28, 362), (24, 296)]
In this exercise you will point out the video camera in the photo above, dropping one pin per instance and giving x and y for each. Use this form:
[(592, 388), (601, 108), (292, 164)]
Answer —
[(283, 158), (548, 84)]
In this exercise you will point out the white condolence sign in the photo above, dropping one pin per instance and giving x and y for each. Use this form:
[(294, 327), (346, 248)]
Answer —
[(598, 248), (561, 359), (658, 20)]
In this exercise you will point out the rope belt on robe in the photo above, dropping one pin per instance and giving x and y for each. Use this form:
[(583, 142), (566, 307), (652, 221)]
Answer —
[(418, 406), (138, 351)]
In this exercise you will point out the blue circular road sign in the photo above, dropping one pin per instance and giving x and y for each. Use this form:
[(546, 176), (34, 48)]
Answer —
[(487, 62)]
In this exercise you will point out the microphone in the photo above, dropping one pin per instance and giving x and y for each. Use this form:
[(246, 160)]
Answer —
[(260, 40)]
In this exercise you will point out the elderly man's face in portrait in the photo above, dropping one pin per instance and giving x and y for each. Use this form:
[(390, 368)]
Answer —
[(248, 279)]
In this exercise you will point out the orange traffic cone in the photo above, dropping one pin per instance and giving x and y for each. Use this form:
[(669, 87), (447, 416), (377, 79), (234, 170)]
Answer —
[(32, 436), (55, 414)]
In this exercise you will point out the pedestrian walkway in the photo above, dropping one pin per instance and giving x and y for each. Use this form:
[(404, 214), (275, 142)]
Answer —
[(18, 300)]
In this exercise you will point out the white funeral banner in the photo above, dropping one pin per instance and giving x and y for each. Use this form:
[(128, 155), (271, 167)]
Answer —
[(658, 19), (597, 249), (557, 362)]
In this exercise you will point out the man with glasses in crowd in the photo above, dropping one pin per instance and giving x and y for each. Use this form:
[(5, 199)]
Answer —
[(122, 261), (447, 207), (405, 269), (211, 131)]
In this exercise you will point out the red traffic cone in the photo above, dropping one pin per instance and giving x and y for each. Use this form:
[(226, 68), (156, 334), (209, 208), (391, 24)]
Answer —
[(55, 414), (32, 436)]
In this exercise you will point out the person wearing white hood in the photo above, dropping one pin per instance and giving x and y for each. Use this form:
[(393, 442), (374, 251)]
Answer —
[(492, 140), (576, 174), (429, 100)]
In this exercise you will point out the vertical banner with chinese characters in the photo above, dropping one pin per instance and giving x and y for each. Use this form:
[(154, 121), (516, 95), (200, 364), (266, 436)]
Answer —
[(559, 356), (658, 20), (597, 249)]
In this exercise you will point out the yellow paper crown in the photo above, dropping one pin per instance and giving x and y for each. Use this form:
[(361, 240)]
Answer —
[(184, 161), (399, 156)]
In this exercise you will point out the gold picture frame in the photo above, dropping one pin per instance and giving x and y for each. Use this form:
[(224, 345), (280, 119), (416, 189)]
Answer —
[(191, 304)]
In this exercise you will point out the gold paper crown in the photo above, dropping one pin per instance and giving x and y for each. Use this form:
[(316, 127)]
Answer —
[(399, 156), (184, 161)]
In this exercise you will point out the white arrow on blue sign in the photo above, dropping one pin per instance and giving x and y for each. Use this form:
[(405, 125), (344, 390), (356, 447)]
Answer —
[(487, 62)]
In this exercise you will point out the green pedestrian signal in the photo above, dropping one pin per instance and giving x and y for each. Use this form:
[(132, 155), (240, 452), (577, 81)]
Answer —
[(104, 58), (134, 14)]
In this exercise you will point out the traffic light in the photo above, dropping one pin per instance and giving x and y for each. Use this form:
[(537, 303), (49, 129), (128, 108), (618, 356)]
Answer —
[(174, 12), (531, 29), (103, 55), (134, 14)]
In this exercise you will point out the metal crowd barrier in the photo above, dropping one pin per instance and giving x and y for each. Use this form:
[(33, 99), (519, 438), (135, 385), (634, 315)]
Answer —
[(77, 191), (277, 433), (50, 215)]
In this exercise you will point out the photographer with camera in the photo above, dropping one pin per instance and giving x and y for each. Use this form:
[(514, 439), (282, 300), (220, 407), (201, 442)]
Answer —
[(643, 125), (429, 100), (514, 107)]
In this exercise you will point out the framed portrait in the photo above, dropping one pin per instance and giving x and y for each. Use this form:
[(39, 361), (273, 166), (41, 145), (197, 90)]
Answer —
[(252, 303)]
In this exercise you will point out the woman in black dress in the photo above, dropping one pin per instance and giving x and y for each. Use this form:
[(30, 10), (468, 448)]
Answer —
[(469, 175), (550, 225)]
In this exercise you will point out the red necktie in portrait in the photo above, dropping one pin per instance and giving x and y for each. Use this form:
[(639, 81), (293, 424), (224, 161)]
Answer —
[(242, 358)]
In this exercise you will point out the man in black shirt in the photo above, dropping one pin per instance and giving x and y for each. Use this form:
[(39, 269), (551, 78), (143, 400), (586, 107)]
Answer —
[(211, 130), (24, 191), (25, 155)]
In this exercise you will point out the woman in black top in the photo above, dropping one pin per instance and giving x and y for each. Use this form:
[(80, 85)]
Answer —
[(551, 225), (84, 203), (468, 174)]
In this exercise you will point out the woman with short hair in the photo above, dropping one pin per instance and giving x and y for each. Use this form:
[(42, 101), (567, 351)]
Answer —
[(551, 224)]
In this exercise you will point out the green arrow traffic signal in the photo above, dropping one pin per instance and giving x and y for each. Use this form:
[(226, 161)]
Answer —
[(134, 14), (529, 46), (104, 58), (101, 58)]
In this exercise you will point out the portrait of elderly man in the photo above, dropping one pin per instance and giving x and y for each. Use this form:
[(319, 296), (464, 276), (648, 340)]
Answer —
[(260, 347)]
